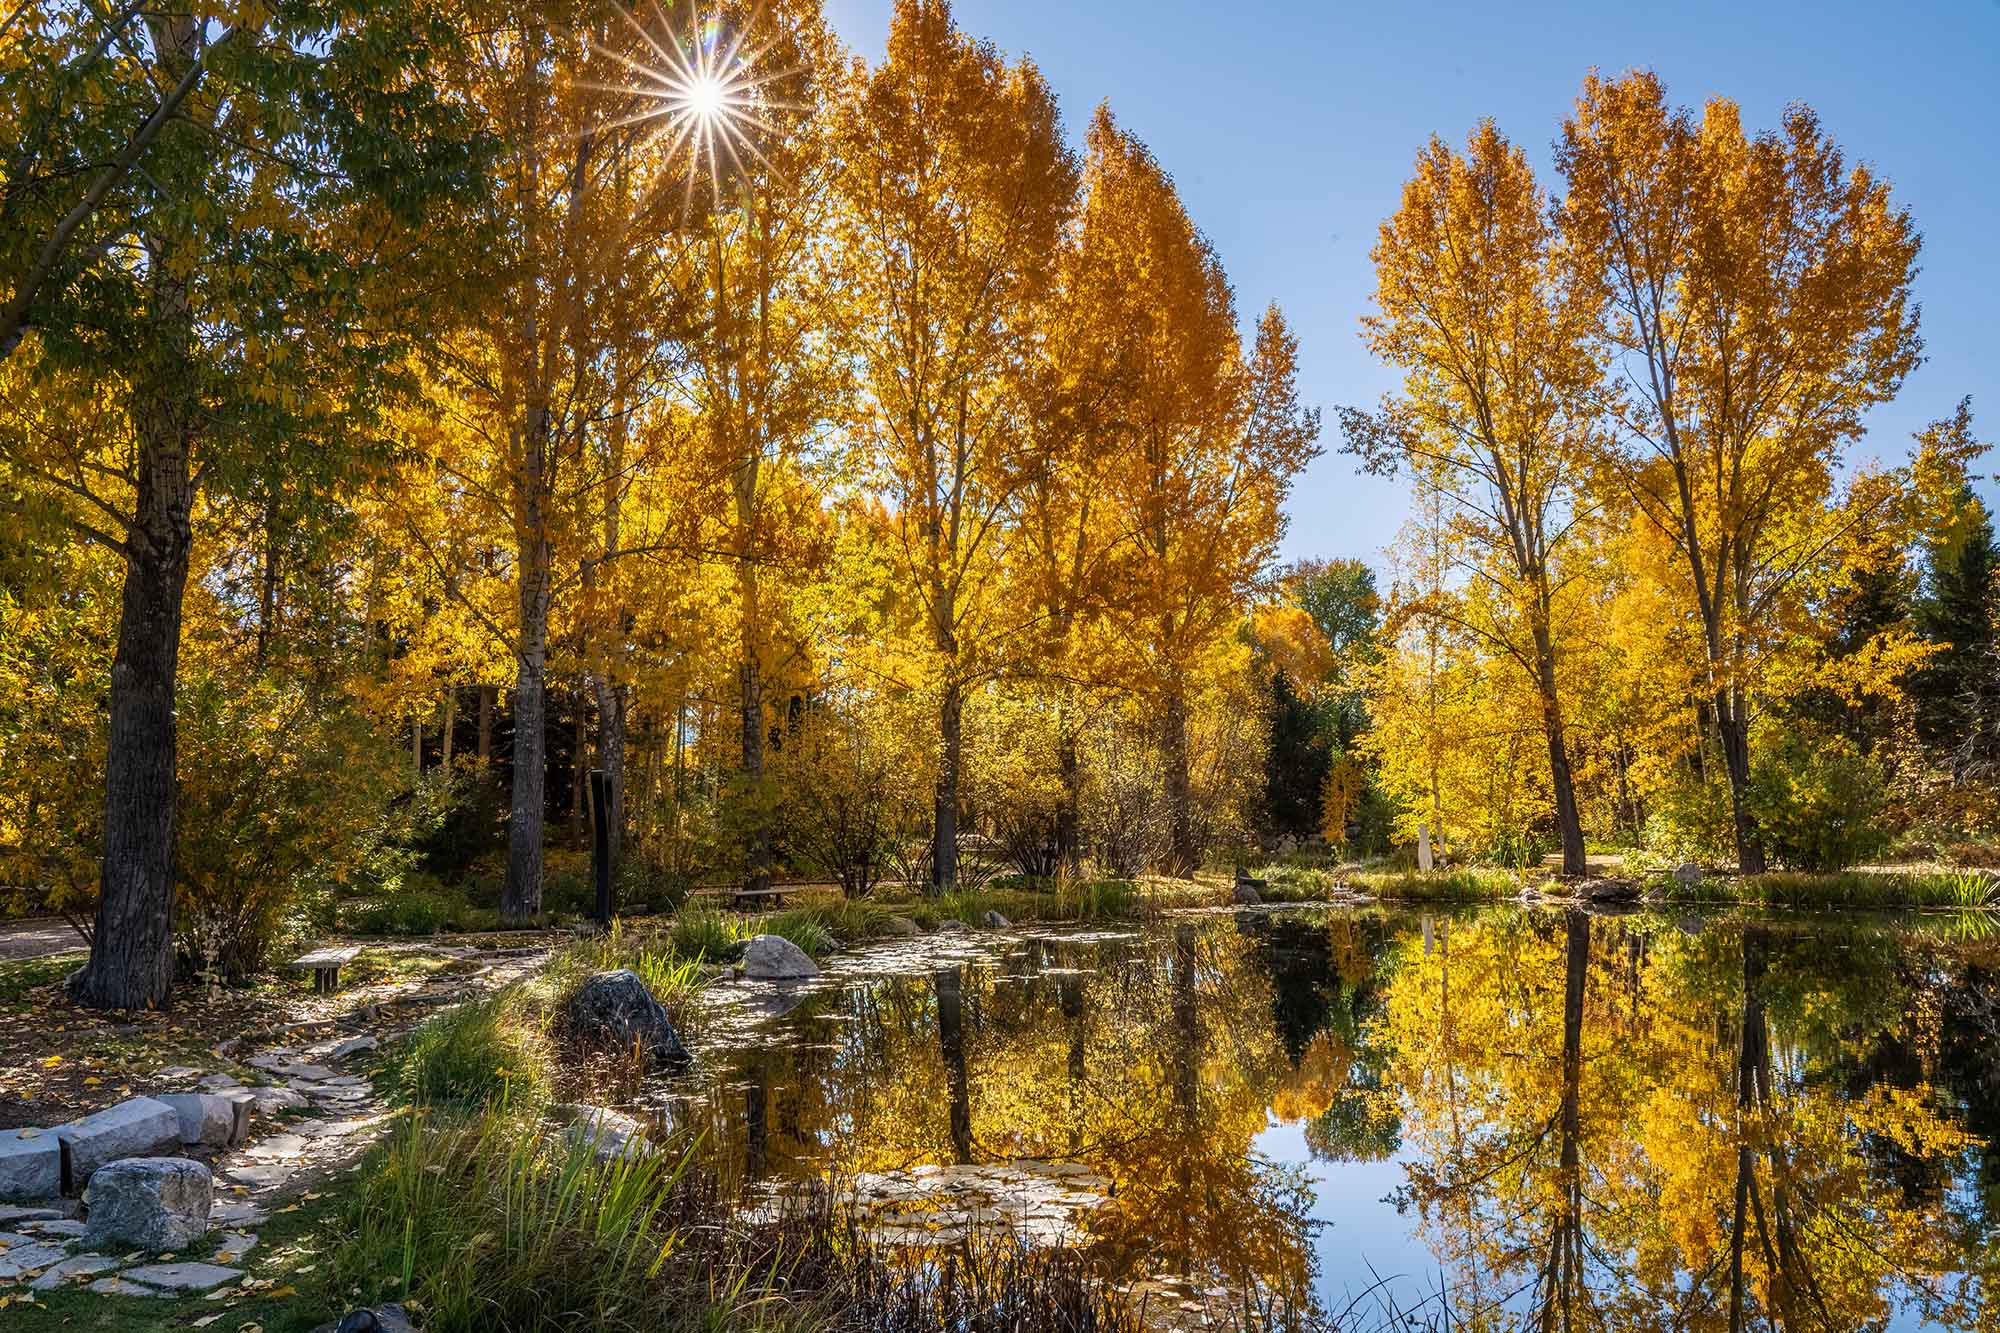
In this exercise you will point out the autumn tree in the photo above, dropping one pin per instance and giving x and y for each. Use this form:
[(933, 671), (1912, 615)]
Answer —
[(213, 327), (954, 189), (1205, 442), (1491, 317), (1758, 302), (765, 384)]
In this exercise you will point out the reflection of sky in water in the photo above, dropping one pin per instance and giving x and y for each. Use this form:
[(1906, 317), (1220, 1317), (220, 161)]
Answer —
[(1244, 1091), (1362, 1239)]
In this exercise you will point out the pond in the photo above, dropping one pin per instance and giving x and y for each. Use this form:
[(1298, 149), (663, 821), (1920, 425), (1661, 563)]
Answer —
[(1527, 1114)]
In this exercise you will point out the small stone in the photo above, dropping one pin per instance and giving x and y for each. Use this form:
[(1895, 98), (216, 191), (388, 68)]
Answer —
[(899, 925), (219, 1083), (269, 1061), (347, 1081), (30, 1168), (1687, 873), (139, 1127), (1245, 894), (63, 1227), (233, 1246), (310, 1072), (151, 1203), (951, 923), (994, 921), (13, 1214), (183, 1276), (118, 1286), (354, 1046), (72, 1268), (174, 1073), (610, 1134), (270, 1100)]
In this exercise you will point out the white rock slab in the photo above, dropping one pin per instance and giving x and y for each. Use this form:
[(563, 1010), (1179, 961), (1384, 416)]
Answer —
[(20, 1261), (72, 1269), (183, 1276), (140, 1127), (30, 1168)]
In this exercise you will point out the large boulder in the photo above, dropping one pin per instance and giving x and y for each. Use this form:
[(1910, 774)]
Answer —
[(381, 1319), (148, 1203), (994, 921), (900, 926), (1245, 893), (140, 1127), (775, 958), (615, 1011), (30, 1165)]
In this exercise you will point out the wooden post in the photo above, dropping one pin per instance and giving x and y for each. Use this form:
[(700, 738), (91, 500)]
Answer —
[(600, 851)]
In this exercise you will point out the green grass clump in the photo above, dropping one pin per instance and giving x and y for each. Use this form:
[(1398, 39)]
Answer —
[(703, 932), (1960, 889), (478, 1054), (1468, 884)]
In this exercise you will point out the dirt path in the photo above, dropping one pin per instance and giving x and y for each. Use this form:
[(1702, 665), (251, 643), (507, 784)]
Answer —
[(36, 937)]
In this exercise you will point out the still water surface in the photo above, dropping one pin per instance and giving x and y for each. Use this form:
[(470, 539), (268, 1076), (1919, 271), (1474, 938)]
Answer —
[(1595, 1121)]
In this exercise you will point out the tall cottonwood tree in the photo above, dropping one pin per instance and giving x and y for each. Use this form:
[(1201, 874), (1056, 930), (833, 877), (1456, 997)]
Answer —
[(588, 189), (1205, 442), (1492, 320), (1758, 302), (764, 381), (214, 316), (955, 188)]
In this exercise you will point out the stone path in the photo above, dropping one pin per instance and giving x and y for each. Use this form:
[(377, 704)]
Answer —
[(317, 1113)]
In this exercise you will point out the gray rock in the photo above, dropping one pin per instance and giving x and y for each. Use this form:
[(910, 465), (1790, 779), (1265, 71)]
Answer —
[(1608, 890), (354, 1046), (206, 1119), (72, 1268), (140, 1127), (9, 1215), (62, 1227), (1687, 873), (30, 1168), (175, 1073), (149, 1203), (609, 1133), (951, 923), (381, 1319), (183, 1276), (219, 1083), (615, 1011), (18, 1262), (233, 1245), (270, 1100), (310, 1073), (775, 958), (1245, 894), (899, 925), (994, 921), (118, 1286)]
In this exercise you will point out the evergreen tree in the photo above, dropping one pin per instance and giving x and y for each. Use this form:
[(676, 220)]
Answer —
[(1957, 693)]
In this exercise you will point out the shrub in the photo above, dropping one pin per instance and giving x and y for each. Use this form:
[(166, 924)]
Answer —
[(1692, 821), (1818, 801)]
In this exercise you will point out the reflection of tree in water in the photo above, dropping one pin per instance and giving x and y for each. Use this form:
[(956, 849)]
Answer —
[(1621, 1133)]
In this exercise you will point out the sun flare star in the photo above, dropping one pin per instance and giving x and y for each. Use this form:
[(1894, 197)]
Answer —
[(701, 94)]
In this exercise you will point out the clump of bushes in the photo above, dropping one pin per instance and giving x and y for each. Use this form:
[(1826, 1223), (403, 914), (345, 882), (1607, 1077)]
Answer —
[(1818, 801)]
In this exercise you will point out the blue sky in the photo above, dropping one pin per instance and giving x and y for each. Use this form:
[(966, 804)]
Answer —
[(1290, 128)]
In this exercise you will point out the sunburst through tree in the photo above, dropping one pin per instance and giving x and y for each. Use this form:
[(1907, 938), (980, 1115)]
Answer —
[(702, 92)]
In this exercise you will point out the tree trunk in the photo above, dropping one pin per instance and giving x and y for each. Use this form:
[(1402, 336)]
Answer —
[(944, 826), (1569, 823), (1069, 767), (267, 592), (1182, 854), (450, 721), (1735, 734), (522, 897), (486, 693), (417, 745), (131, 964), (579, 774), (750, 718)]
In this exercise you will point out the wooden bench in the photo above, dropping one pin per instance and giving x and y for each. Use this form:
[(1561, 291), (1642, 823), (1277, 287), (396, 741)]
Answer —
[(325, 965), (744, 899)]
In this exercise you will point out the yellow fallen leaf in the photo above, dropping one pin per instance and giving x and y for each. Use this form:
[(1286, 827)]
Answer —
[(52, 1062), (92, 1081), (29, 1134), (284, 1293)]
